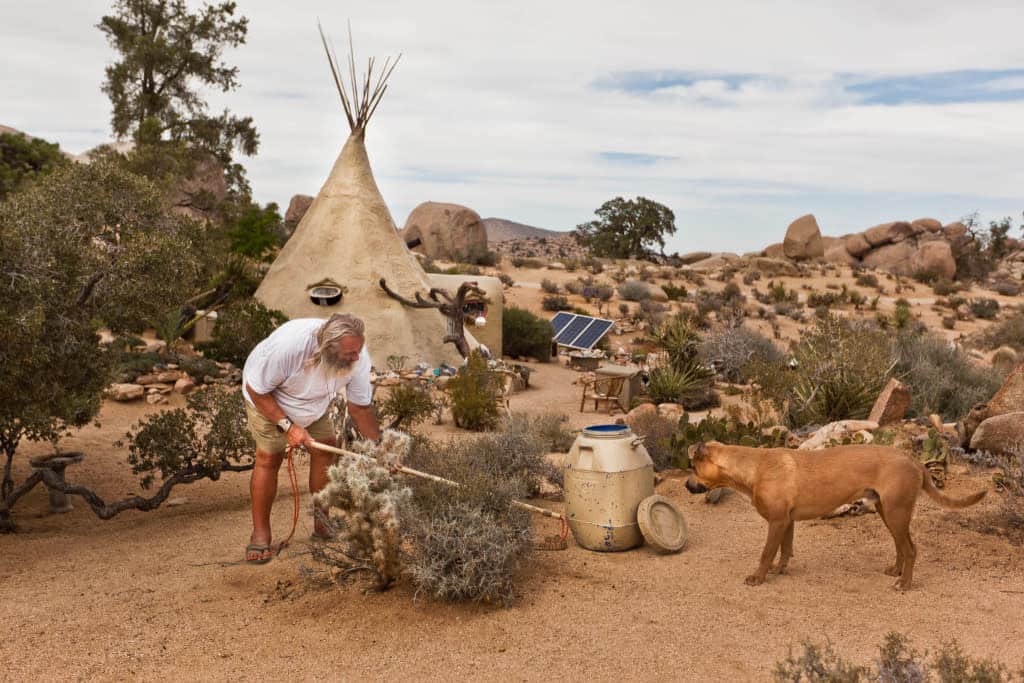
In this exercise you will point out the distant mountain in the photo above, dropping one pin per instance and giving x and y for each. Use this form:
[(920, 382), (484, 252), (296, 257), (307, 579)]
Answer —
[(501, 230)]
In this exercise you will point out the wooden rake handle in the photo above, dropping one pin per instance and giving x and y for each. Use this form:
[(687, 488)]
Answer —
[(433, 477)]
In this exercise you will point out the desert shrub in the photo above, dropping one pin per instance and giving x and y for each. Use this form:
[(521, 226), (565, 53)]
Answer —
[(572, 286), (751, 276), (1007, 288), (524, 262), (479, 255), (949, 322), (867, 280), (897, 662), (943, 286), (823, 299), (549, 286), (1009, 332), (634, 290), (371, 505), (901, 316), (556, 302), (836, 372), (688, 384), (239, 328), (652, 312), (678, 338), (602, 293), (675, 293), (731, 351), (406, 405), (623, 309), (469, 542), (984, 308), (728, 429), (473, 395), (550, 428), (506, 279), (525, 334), (658, 432), (127, 364), (942, 378)]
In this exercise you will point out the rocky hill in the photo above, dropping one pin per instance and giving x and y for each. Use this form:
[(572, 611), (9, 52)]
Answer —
[(501, 230)]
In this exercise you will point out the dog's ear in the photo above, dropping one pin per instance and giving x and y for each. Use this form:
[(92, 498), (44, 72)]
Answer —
[(697, 451)]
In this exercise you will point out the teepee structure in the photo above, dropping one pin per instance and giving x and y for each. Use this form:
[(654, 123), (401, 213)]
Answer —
[(347, 243)]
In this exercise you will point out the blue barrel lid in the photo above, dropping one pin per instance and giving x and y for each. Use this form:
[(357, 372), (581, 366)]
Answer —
[(612, 430)]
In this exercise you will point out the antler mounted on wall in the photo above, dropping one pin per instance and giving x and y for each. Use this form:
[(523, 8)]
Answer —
[(453, 308)]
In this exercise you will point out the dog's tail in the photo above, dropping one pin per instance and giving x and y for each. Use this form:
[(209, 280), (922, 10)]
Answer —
[(944, 500)]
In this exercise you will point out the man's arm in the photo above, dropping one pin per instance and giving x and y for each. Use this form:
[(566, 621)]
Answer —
[(365, 421), (268, 408)]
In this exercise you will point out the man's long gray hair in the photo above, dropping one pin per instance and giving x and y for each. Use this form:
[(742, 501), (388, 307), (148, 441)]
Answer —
[(339, 325)]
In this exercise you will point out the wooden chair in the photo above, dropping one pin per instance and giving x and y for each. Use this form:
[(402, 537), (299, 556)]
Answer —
[(605, 390)]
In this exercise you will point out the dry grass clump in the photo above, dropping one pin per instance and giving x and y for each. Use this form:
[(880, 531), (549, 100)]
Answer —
[(1009, 332), (657, 432), (1009, 481), (897, 662), (731, 351), (942, 378), (634, 290)]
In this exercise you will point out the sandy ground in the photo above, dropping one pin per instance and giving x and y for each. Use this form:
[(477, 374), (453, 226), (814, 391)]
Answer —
[(142, 596)]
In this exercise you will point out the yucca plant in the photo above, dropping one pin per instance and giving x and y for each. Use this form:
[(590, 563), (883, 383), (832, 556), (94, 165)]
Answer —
[(685, 384)]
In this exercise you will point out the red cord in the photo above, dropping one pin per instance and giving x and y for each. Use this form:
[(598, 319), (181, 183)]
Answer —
[(295, 498)]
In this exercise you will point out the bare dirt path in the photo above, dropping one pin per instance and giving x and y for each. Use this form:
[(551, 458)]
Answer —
[(125, 599)]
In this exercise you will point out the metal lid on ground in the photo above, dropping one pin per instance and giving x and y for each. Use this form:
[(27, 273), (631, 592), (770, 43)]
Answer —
[(662, 524)]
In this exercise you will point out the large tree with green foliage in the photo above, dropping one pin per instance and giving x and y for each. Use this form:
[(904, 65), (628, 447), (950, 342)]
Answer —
[(627, 228), (167, 56), (23, 159), (87, 245)]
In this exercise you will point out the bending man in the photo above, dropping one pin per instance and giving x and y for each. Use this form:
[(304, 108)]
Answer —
[(288, 382)]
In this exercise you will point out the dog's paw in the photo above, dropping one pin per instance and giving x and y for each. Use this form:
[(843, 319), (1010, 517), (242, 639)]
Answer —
[(892, 571), (778, 569), (754, 580), (901, 586)]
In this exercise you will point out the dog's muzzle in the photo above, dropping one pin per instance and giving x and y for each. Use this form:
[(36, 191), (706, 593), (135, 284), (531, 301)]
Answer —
[(694, 486)]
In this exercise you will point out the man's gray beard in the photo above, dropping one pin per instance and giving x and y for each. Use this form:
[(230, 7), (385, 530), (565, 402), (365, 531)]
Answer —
[(334, 368)]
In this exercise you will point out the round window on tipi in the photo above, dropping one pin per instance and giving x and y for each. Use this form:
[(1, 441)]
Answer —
[(326, 293)]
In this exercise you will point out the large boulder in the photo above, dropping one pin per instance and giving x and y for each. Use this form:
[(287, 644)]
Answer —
[(693, 257), (837, 253), (803, 239), (774, 251), (1000, 434), (1010, 397), (297, 208), (927, 224), (895, 258), (934, 258), (199, 195), (445, 231), (888, 233), (857, 245)]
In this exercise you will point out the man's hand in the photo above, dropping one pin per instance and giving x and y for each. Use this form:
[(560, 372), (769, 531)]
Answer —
[(297, 436)]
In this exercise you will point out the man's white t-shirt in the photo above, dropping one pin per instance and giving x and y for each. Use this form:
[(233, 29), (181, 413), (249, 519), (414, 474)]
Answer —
[(275, 367)]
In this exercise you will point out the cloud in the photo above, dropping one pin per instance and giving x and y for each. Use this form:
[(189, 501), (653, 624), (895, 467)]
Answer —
[(974, 85), (634, 158)]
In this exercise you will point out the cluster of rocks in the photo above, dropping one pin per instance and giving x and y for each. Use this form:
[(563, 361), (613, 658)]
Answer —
[(157, 385), (922, 246), (998, 425)]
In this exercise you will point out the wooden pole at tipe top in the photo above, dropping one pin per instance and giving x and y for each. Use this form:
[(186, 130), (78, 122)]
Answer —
[(432, 477)]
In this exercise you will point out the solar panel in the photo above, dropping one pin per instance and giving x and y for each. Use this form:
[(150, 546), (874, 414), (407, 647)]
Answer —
[(590, 336), (560, 320), (579, 331)]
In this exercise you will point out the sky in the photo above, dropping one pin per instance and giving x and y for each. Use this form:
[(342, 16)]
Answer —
[(738, 116)]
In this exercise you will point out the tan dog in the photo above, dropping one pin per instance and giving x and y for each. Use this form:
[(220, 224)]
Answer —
[(788, 485)]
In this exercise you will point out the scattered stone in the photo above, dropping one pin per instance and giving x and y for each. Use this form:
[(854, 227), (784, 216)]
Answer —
[(185, 385), (633, 416), (716, 496), (672, 411), (892, 404), (556, 265), (837, 431), (156, 399), (1000, 434), (175, 502), (803, 239), (126, 392)]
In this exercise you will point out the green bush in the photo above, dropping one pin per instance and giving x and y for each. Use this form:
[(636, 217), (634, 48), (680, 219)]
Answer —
[(675, 293), (473, 395), (1009, 332), (522, 262), (549, 286), (525, 335), (726, 429), (941, 378), (556, 302), (678, 338), (22, 160), (867, 280), (984, 308), (240, 327), (406, 405), (836, 372), (688, 384)]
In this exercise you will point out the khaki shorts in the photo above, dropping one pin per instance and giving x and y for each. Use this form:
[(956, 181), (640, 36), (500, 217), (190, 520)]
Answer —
[(272, 440)]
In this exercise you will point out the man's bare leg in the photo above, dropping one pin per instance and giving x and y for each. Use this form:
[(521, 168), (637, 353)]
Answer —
[(263, 490)]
